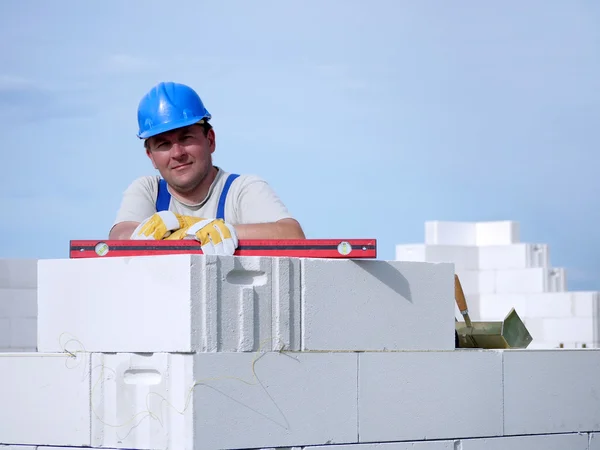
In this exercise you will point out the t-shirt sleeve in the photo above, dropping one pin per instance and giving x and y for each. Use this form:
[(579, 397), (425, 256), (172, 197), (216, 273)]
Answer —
[(138, 202), (257, 202)]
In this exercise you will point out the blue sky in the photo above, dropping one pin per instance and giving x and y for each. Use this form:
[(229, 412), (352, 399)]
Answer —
[(368, 121)]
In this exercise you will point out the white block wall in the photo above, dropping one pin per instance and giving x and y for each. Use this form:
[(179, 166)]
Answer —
[(189, 303), (498, 272), (331, 392), (175, 303), (241, 400), (18, 305), (45, 399)]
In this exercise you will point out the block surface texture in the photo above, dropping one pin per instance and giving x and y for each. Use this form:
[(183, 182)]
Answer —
[(18, 273), (594, 441), (551, 391), (462, 256), (45, 399), (377, 305), (414, 395), (173, 303), (224, 400), (540, 442), (18, 304), (415, 445)]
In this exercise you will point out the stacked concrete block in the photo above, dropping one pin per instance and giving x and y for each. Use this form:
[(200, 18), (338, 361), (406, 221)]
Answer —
[(45, 399), (206, 352), (186, 303), (18, 305), (182, 349), (498, 272)]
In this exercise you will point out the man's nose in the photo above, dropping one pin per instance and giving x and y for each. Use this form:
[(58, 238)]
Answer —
[(177, 150)]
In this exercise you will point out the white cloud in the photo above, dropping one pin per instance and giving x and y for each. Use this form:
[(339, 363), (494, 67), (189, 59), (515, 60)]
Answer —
[(124, 63), (12, 82)]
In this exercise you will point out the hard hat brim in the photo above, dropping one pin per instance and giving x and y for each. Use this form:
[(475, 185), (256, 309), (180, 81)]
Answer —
[(171, 126)]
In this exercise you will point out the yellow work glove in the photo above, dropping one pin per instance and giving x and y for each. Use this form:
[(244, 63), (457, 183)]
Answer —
[(160, 225), (182, 232), (216, 237)]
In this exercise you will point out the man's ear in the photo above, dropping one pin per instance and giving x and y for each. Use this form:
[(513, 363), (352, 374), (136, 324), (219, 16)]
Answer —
[(149, 155), (212, 140)]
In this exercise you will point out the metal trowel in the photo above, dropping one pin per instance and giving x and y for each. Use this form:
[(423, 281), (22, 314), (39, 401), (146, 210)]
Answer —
[(510, 333)]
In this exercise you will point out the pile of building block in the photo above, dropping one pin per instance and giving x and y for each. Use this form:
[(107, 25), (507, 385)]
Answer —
[(18, 305), (499, 272), (205, 352)]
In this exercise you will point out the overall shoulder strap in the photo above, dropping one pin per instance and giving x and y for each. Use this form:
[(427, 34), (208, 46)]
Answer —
[(163, 198), (221, 207)]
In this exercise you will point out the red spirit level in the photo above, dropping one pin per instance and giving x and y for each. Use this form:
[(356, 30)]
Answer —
[(301, 248)]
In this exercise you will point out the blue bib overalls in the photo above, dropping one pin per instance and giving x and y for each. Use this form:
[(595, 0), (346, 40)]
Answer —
[(163, 198)]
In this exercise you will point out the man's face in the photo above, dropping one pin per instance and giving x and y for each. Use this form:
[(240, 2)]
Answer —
[(182, 156)]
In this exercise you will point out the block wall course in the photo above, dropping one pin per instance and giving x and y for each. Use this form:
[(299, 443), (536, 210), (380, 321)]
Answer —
[(377, 305), (575, 441), (503, 232), (462, 256), (450, 233), (513, 256), (198, 303), (551, 391), (225, 400), (45, 399), (17, 273), (430, 395), (594, 441)]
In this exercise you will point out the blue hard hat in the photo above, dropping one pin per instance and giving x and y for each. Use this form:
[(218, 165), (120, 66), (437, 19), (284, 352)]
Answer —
[(167, 106)]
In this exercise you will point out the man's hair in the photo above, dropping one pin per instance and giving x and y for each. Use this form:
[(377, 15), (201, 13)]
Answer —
[(206, 127)]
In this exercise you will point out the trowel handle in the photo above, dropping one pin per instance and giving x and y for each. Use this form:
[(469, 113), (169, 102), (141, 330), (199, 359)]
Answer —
[(461, 301)]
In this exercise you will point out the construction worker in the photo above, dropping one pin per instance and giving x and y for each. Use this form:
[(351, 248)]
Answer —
[(192, 198)]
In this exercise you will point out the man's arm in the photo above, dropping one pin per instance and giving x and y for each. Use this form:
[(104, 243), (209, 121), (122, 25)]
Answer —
[(137, 204), (282, 229), (122, 230), (262, 214)]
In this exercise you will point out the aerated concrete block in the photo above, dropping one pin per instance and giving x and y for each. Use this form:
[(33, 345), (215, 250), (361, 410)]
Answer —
[(528, 306), (415, 445), (18, 302), (23, 447), (586, 304), (573, 329), (17, 273), (594, 442), (4, 334), (23, 333), (462, 256), (450, 233), (495, 307), (377, 305), (172, 303), (406, 396), (224, 400), (45, 399), (475, 282), (513, 256), (142, 401), (530, 281), (504, 232), (542, 442), (551, 391)]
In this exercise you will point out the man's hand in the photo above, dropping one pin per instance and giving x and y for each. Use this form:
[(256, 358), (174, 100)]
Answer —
[(216, 237), (161, 225)]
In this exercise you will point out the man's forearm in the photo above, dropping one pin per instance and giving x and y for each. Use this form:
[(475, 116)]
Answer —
[(284, 229), (122, 231)]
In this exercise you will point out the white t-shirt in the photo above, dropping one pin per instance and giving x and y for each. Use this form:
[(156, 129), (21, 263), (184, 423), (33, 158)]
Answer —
[(250, 200)]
